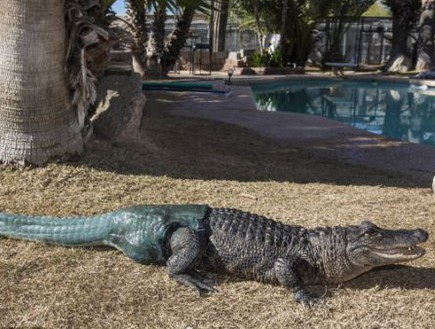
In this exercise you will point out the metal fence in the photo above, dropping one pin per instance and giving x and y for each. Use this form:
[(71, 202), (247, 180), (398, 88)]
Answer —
[(366, 41)]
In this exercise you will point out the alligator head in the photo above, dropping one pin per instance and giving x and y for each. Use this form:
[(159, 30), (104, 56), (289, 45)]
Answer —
[(370, 246)]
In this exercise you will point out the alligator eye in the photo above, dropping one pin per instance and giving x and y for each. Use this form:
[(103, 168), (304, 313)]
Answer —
[(372, 234)]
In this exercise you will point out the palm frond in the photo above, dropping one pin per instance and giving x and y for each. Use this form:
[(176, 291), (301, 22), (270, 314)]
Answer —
[(83, 33)]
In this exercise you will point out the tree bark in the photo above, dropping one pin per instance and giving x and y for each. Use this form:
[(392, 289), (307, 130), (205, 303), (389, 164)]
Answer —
[(156, 44), (177, 40), (37, 121), (425, 48), (159, 30), (403, 18), (283, 37), (220, 20), (136, 12)]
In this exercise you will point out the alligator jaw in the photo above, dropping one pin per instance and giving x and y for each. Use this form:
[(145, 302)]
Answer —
[(400, 253)]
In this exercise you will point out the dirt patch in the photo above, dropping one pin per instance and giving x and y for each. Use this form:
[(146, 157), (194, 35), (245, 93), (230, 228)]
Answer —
[(196, 161)]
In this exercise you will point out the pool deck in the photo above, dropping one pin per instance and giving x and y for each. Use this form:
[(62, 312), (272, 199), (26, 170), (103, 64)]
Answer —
[(324, 137)]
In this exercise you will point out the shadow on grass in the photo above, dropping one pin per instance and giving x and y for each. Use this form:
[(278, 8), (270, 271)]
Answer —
[(388, 277), (396, 276), (199, 149)]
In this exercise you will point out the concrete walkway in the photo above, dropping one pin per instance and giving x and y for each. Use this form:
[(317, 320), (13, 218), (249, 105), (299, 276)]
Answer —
[(318, 135)]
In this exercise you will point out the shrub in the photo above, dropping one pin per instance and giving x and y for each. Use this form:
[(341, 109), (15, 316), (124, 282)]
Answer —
[(273, 60)]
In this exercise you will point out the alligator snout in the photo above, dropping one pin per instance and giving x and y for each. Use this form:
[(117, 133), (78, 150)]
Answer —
[(420, 235)]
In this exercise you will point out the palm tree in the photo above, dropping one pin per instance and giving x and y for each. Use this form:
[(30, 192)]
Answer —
[(251, 16), (156, 44), (295, 20), (219, 19), (136, 11), (426, 49), (342, 14), (37, 121), (405, 13), (175, 41), (44, 94), (283, 30)]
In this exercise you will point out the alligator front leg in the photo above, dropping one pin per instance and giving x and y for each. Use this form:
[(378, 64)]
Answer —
[(186, 251), (286, 274)]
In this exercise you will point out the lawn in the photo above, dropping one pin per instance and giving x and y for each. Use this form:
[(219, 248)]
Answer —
[(195, 161)]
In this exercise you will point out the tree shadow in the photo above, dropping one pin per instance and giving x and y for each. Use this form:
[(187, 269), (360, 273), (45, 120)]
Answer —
[(188, 148)]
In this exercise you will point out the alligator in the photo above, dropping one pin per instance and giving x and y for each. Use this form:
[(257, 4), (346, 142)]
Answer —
[(193, 240)]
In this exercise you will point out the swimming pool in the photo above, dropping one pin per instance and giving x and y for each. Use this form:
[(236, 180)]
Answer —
[(395, 110)]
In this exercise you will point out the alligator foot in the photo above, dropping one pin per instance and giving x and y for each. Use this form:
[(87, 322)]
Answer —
[(306, 299), (195, 281)]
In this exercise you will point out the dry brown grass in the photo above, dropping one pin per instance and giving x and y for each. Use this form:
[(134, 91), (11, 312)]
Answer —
[(197, 161)]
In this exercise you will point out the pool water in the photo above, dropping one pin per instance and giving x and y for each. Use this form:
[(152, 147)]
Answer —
[(398, 111)]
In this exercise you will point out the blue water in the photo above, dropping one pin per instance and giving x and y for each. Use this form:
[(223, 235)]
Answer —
[(397, 111)]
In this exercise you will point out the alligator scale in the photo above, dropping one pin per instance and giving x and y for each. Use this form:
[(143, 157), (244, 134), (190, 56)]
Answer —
[(190, 239)]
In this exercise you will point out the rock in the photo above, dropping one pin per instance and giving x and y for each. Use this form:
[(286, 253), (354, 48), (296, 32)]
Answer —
[(120, 108)]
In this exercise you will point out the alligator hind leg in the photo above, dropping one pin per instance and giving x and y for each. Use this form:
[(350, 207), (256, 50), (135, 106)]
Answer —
[(186, 250)]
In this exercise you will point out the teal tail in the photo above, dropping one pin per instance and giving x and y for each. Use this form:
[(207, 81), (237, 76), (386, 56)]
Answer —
[(80, 231)]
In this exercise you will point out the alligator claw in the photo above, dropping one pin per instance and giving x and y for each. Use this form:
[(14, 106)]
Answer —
[(194, 281), (203, 278), (206, 291)]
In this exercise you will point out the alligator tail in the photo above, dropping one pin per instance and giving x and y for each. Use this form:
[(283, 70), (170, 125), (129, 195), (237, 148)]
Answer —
[(80, 231)]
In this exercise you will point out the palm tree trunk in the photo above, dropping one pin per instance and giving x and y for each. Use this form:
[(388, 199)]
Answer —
[(136, 11), (156, 44), (283, 37), (403, 18), (37, 121), (220, 20), (334, 52), (177, 40), (159, 29), (426, 49)]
